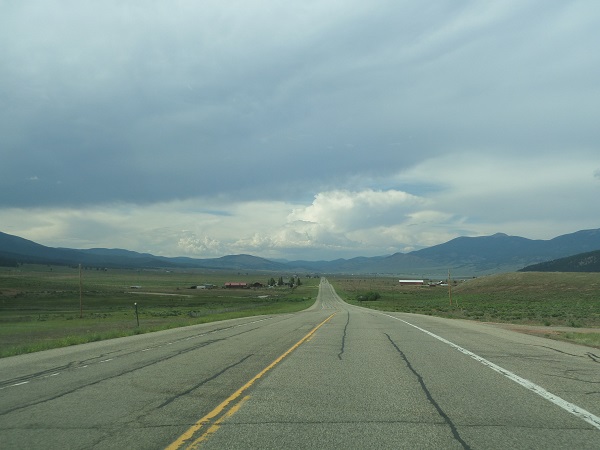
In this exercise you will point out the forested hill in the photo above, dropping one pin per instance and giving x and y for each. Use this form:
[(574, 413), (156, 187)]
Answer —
[(582, 262)]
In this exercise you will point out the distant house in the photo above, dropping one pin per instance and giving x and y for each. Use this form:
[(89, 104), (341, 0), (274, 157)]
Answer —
[(204, 286), (236, 285), (411, 282)]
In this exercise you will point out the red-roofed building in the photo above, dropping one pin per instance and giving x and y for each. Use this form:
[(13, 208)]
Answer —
[(236, 285)]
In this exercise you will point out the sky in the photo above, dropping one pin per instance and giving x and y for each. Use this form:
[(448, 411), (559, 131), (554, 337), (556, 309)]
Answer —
[(293, 130)]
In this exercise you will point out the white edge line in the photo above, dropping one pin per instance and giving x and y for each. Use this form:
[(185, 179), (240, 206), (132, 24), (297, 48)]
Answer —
[(567, 406)]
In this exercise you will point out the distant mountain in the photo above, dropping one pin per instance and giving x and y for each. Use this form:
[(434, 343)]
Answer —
[(503, 253), (15, 250), (582, 262), (357, 264), (22, 250), (465, 256), (406, 263), (236, 262)]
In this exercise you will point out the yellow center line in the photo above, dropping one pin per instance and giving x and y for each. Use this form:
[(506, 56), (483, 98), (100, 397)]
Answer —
[(214, 427), (189, 434)]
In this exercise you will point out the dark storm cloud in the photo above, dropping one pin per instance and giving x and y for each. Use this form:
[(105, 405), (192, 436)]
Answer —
[(148, 102)]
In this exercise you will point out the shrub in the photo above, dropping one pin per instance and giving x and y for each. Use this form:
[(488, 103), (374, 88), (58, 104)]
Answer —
[(370, 296)]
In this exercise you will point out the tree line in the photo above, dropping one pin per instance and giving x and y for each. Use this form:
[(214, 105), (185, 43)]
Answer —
[(292, 282)]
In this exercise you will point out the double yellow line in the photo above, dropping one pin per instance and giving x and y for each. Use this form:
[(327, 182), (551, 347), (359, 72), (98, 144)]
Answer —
[(213, 420)]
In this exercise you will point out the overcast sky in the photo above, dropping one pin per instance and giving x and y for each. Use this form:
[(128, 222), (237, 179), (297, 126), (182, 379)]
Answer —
[(299, 130)]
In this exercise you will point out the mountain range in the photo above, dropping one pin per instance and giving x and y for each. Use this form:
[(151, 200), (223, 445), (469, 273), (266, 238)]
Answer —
[(465, 256)]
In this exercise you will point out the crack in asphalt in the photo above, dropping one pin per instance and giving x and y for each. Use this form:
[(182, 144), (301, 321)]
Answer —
[(51, 371), (125, 372), (557, 350), (344, 337), (94, 360), (429, 396), (593, 357), (142, 366), (203, 382), (574, 379), (590, 355)]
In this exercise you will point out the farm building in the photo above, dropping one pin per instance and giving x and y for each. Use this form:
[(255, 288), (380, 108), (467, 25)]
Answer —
[(204, 286), (236, 285), (411, 282)]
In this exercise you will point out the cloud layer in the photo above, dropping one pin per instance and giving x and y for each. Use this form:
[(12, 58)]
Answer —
[(314, 130)]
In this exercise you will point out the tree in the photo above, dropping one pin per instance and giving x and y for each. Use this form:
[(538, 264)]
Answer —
[(280, 281)]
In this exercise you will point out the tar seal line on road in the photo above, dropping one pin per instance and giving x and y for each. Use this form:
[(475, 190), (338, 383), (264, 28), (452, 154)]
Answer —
[(344, 337), (430, 397), (214, 418), (567, 406)]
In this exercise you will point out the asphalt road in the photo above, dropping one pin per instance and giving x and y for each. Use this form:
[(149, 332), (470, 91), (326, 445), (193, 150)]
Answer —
[(334, 376)]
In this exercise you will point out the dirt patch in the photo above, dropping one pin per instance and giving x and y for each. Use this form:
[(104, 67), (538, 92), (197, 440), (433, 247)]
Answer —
[(589, 337), (159, 293), (9, 292), (541, 329)]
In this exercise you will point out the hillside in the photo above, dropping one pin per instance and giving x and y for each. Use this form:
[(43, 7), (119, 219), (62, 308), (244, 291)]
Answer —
[(500, 251), (14, 250), (583, 262)]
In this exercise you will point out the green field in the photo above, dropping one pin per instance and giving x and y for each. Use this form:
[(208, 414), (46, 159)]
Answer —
[(40, 306), (44, 307), (529, 298)]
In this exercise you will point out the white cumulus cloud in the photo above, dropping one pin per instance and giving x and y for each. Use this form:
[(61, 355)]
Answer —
[(343, 211)]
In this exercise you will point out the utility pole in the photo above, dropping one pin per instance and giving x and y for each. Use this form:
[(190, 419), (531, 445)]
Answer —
[(80, 295), (449, 288)]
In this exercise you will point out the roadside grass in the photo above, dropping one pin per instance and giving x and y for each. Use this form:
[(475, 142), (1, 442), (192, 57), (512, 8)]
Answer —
[(589, 339), (40, 305), (529, 298)]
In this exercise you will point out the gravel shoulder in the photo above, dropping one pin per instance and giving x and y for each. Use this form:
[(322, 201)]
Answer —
[(554, 332), (541, 329)]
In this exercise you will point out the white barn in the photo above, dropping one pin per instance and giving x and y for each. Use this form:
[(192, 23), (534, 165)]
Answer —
[(411, 282)]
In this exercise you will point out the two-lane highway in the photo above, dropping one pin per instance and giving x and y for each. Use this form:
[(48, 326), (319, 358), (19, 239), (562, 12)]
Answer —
[(330, 377), (137, 392)]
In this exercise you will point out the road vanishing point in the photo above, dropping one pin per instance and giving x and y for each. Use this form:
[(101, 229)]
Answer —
[(333, 376)]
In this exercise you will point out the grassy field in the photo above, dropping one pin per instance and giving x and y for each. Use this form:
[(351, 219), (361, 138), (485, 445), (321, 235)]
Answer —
[(44, 307), (40, 305), (531, 298)]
